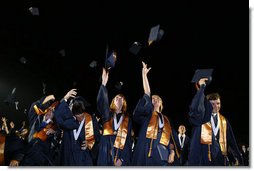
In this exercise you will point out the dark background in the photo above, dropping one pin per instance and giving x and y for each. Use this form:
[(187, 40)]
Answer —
[(198, 35)]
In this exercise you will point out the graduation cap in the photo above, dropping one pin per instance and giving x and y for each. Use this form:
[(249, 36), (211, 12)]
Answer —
[(110, 61), (93, 64), (34, 11), (202, 73), (135, 48), (119, 85), (155, 34), (23, 60), (44, 88), (11, 98), (62, 52)]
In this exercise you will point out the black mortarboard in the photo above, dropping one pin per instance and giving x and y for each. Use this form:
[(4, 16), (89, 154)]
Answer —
[(93, 64), (62, 52), (110, 61), (202, 73), (23, 60), (34, 10), (135, 48), (44, 88), (119, 85), (11, 98), (155, 34)]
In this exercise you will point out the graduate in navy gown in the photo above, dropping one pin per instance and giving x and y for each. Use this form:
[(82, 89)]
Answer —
[(15, 143), (115, 143), (42, 130), (80, 131), (211, 136), (156, 142), (183, 146)]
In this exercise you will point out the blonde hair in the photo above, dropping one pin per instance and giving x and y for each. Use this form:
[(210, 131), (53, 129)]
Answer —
[(113, 106), (161, 105)]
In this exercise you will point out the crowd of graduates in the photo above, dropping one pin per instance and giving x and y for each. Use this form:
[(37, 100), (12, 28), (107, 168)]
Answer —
[(62, 132)]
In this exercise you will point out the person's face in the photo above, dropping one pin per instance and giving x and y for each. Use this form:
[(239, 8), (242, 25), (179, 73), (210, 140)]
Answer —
[(118, 101), (244, 148), (12, 124), (80, 117), (181, 129), (216, 105), (49, 114), (156, 101)]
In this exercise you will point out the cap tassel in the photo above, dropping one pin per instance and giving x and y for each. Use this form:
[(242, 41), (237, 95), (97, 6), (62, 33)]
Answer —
[(209, 153), (150, 148)]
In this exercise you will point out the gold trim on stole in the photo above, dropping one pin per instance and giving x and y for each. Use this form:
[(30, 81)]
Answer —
[(89, 132), (122, 133), (223, 134), (152, 129)]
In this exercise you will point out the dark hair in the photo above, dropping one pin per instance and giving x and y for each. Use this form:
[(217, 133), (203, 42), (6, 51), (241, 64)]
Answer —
[(213, 96), (78, 107)]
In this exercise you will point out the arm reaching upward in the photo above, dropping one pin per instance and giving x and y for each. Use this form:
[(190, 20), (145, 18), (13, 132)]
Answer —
[(104, 77), (146, 85)]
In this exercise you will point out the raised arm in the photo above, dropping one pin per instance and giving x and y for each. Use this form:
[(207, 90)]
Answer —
[(5, 125), (146, 85), (144, 106), (104, 77), (200, 108), (102, 97)]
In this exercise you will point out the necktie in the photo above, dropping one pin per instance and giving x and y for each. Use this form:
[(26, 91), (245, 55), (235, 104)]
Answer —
[(160, 115), (118, 116), (215, 120), (181, 138)]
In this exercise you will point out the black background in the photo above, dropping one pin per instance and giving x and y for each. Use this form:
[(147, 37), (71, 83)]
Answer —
[(210, 34)]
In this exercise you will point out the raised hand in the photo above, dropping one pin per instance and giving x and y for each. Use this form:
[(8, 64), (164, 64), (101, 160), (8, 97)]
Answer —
[(104, 76), (71, 93), (202, 81), (145, 70), (146, 85)]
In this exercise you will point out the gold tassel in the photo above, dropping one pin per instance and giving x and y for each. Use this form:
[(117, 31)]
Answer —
[(115, 158), (209, 153), (150, 149)]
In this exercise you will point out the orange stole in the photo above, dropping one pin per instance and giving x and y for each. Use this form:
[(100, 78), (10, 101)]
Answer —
[(223, 134), (107, 127), (89, 132), (39, 111), (42, 133), (206, 134), (2, 143), (121, 133), (152, 129)]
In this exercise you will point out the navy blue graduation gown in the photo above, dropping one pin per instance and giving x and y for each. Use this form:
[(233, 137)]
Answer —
[(106, 147), (37, 152), (183, 152), (71, 152), (142, 115), (200, 113), (14, 148)]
